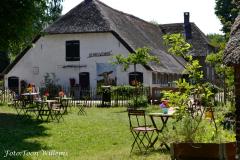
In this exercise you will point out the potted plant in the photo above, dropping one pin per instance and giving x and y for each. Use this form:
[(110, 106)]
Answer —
[(194, 136), (164, 106)]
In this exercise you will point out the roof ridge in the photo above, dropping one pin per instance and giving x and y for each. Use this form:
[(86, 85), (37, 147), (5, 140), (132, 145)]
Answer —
[(171, 24), (121, 12)]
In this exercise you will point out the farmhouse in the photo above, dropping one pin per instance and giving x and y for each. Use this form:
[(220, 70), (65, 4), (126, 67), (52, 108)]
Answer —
[(78, 47)]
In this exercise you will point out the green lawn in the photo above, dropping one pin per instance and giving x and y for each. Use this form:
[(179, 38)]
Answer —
[(102, 134)]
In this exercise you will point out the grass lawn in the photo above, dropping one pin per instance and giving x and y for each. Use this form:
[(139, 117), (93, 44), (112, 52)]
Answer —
[(102, 134)]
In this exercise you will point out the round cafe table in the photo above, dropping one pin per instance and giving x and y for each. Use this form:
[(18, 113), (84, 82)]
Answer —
[(30, 96), (164, 119)]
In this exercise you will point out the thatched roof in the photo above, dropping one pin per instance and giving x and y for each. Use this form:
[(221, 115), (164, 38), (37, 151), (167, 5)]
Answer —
[(95, 16), (199, 41), (232, 51)]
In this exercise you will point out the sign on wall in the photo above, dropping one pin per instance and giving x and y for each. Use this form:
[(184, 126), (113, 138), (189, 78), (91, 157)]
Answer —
[(100, 54)]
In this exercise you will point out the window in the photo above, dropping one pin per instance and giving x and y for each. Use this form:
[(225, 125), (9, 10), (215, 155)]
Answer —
[(72, 51), (154, 78), (135, 77)]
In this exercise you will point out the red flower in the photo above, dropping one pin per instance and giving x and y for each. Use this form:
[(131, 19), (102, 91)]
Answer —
[(61, 94), (46, 94)]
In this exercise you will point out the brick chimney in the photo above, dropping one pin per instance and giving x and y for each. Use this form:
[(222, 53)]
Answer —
[(187, 26)]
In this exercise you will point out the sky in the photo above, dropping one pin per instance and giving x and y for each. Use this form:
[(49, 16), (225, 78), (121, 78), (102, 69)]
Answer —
[(165, 11)]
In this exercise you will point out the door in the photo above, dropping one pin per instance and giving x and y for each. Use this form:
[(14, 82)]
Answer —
[(13, 84), (84, 81), (84, 84)]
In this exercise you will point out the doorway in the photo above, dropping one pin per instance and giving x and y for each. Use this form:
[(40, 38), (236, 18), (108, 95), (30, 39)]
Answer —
[(84, 84), (84, 81), (13, 84)]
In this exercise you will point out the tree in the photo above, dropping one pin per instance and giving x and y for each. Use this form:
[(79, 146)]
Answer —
[(224, 72), (195, 89), (140, 56), (177, 45), (227, 11), (22, 20)]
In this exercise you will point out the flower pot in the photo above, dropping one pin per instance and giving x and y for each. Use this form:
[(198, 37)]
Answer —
[(165, 110), (211, 151), (209, 114)]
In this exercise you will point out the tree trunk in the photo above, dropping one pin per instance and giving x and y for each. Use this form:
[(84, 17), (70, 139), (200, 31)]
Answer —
[(237, 105), (135, 79)]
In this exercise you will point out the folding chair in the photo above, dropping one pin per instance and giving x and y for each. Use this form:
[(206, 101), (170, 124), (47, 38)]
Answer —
[(43, 110), (19, 106), (32, 108), (142, 133), (81, 107), (64, 105), (59, 109)]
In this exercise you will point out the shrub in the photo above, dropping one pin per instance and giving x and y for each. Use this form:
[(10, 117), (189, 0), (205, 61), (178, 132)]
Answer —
[(139, 101), (51, 85)]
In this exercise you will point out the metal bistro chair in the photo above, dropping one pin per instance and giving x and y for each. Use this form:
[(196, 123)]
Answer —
[(59, 109), (142, 133), (43, 111), (81, 106)]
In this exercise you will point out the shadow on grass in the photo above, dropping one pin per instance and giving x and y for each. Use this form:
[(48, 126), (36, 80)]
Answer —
[(15, 134)]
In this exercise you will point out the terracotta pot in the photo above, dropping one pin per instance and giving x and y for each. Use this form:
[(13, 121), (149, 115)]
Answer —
[(206, 151)]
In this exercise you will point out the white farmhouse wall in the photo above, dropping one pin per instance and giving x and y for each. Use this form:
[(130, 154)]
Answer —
[(49, 52)]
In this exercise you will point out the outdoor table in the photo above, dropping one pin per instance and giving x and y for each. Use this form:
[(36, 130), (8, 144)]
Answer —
[(45, 109), (30, 96), (25, 104), (50, 102), (164, 119)]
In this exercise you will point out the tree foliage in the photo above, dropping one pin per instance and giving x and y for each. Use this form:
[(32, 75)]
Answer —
[(216, 60), (21, 20), (177, 45), (140, 56), (195, 88), (227, 11)]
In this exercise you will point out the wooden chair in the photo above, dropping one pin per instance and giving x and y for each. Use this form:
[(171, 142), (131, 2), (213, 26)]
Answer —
[(142, 133)]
